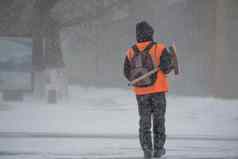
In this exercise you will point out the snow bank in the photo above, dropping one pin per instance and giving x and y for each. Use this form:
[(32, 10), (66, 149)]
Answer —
[(95, 111)]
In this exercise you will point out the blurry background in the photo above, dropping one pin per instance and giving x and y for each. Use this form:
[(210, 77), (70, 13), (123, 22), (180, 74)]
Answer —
[(54, 49), (86, 41)]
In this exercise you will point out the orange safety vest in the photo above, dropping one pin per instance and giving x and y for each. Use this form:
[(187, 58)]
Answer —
[(161, 84)]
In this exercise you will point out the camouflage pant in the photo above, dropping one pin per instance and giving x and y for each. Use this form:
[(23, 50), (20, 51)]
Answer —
[(152, 109)]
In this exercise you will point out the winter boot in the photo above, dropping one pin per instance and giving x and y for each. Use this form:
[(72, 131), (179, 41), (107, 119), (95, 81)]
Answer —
[(147, 155)]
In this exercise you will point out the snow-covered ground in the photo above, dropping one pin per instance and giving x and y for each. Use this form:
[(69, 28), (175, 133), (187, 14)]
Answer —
[(103, 123)]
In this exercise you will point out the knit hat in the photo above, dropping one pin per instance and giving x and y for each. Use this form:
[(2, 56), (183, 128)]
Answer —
[(144, 32)]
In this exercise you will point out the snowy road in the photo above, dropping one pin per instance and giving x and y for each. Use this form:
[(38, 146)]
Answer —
[(86, 146), (105, 126)]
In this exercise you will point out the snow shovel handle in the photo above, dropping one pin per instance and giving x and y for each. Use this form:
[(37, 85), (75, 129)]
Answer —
[(143, 77)]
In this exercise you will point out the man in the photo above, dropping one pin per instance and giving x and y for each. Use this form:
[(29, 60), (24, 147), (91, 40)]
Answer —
[(151, 96)]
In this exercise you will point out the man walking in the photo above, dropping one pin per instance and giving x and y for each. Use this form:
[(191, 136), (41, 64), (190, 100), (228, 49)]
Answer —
[(144, 57)]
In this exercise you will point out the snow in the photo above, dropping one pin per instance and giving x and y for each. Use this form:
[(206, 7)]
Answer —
[(103, 123)]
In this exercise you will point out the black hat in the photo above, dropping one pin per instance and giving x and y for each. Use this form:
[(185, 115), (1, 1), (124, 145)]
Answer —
[(144, 32)]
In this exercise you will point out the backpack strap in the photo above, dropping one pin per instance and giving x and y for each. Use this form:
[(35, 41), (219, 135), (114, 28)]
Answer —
[(135, 49), (148, 47)]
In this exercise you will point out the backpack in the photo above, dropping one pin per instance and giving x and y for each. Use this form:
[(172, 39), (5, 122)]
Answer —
[(140, 64)]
